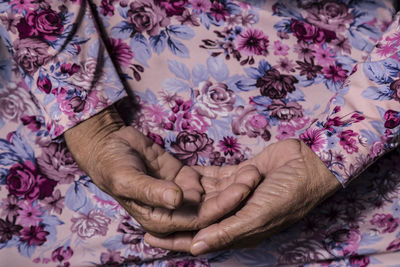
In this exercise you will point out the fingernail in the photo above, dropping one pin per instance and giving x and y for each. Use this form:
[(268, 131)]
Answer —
[(199, 248), (169, 197)]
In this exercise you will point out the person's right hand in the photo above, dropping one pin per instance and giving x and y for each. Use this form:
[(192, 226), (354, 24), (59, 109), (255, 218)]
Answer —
[(163, 195)]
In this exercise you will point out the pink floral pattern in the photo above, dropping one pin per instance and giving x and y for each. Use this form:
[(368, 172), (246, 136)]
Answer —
[(214, 82)]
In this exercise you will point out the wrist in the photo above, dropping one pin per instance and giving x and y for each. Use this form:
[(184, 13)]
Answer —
[(322, 178), (83, 138)]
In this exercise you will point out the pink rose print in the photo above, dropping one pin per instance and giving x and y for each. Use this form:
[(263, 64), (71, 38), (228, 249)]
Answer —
[(24, 180), (30, 54), (214, 99), (248, 122), (276, 85), (90, 225), (188, 146), (311, 33), (330, 15), (45, 23), (147, 17), (285, 112)]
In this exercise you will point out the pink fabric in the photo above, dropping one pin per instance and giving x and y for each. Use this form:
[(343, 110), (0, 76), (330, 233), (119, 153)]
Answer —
[(214, 83)]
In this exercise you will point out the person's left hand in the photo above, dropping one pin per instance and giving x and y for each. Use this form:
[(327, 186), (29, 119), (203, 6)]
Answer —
[(294, 181)]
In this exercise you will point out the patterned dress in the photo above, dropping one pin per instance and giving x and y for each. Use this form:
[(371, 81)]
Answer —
[(226, 76)]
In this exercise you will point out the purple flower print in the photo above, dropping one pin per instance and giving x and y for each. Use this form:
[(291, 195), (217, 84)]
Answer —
[(111, 258), (347, 141), (190, 263), (314, 138), (335, 73), (29, 214), (214, 99), (300, 250), (55, 202), (219, 11), (21, 5), (252, 42), (147, 17), (30, 54), (172, 7), (280, 49), (343, 242), (188, 146), (248, 122), (308, 68), (330, 15), (216, 159), (10, 207), (15, 102), (310, 33), (45, 23), (90, 225), (394, 245), (24, 180), (188, 18), (120, 51), (44, 84), (385, 221), (276, 85), (359, 261), (70, 69), (88, 75), (229, 145), (76, 104), (107, 8), (61, 254), (156, 139), (34, 235), (285, 112), (56, 163), (395, 87), (184, 119), (8, 229), (131, 234), (199, 6), (392, 119)]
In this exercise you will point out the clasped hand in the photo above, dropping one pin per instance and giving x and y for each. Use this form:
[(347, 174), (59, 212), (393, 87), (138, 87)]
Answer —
[(199, 209)]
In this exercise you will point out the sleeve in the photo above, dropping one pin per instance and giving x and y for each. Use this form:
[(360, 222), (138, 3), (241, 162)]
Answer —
[(61, 56), (361, 123)]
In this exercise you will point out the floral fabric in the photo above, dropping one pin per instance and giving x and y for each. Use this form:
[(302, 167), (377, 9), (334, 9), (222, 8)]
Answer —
[(213, 82)]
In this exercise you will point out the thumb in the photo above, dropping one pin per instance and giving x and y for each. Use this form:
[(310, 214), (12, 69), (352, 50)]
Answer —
[(146, 189), (223, 234)]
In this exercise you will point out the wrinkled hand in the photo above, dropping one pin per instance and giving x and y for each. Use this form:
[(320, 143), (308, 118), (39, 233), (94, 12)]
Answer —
[(294, 181), (155, 188)]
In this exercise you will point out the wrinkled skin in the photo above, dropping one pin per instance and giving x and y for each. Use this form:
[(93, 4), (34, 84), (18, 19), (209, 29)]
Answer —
[(294, 181), (161, 193), (209, 208)]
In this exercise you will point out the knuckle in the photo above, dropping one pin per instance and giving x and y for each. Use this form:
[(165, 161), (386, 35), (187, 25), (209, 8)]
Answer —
[(224, 236)]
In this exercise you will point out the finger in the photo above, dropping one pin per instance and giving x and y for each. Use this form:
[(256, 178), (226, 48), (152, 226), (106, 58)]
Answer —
[(160, 221), (225, 233), (189, 181), (219, 205), (146, 189), (177, 242)]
